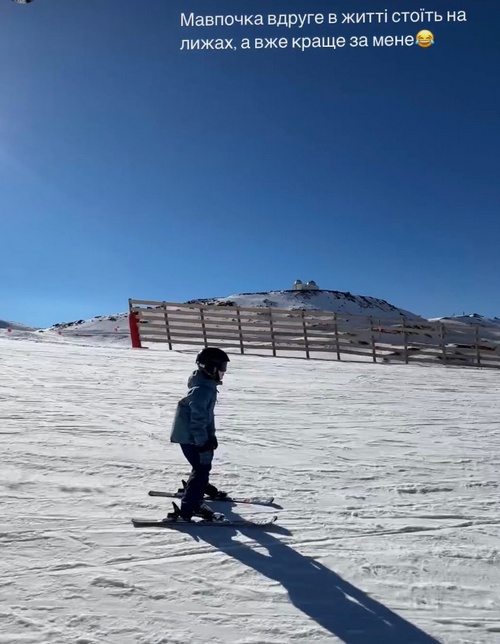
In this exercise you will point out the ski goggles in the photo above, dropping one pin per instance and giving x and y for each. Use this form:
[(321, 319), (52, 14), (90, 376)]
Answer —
[(221, 370)]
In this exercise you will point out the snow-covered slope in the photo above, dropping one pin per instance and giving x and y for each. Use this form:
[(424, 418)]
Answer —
[(387, 479), (323, 300)]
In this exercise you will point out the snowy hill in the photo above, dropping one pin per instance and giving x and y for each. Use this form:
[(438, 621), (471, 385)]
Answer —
[(323, 300), (16, 326), (114, 328), (116, 325), (387, 529)]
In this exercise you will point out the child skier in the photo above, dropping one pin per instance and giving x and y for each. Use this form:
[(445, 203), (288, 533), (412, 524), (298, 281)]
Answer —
[(194, 429)]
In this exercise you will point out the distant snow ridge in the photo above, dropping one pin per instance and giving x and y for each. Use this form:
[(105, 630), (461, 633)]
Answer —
[(323, 300), (16, 326), (98, 324), (473, 318)]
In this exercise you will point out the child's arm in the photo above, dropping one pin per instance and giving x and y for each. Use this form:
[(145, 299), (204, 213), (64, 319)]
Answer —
[(198, 404)]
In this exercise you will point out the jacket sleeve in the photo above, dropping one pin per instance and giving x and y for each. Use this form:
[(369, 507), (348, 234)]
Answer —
[(198, 407)]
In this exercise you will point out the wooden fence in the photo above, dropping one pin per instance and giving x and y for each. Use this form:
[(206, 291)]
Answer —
[(313, 333)]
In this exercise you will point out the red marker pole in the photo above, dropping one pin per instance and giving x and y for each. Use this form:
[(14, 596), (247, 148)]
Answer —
[(134, 331)]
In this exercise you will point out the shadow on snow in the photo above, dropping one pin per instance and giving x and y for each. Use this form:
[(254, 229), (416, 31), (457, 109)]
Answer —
[(335, 604)]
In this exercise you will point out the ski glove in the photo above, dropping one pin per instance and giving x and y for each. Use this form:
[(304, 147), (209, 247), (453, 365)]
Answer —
[(210, 445), (206, 447)]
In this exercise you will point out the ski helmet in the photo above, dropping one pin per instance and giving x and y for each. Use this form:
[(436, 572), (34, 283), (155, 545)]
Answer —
[(213, 362)]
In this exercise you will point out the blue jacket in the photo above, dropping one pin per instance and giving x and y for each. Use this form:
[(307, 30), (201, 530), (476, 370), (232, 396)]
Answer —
[(194, 421)]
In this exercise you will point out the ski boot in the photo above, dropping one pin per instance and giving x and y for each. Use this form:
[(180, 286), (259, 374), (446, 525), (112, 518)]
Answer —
[(178, 514), (210, 491), (213, 493), (207, 514), (204, 512)]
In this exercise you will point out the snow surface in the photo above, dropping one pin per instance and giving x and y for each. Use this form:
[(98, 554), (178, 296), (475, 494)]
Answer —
[(388, 478)]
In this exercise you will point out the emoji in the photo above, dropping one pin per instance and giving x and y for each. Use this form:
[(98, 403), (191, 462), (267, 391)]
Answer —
[(425, 38)]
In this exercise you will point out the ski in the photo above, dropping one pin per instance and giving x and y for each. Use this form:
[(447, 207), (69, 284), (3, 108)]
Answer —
[(226, 523), (253, 500)]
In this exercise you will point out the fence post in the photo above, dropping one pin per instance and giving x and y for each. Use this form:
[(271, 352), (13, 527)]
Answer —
[(405, 339), (443, 346), (305, 333), (203, 327), (167, 324), (271, 327), (336, 327), (240, 331), (134, 330), (478, 350), (374, 350)]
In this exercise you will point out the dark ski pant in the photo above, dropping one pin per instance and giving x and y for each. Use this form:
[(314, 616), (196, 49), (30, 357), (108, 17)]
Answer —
[(198, 480)]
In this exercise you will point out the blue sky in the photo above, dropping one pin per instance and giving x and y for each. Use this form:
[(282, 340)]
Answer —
[(129, 168)]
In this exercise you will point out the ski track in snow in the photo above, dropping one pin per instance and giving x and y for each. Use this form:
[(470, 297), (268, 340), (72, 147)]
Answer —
[(388, 477)]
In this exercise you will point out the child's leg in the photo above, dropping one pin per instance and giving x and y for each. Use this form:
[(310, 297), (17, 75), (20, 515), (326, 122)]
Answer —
[(197, 482)]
